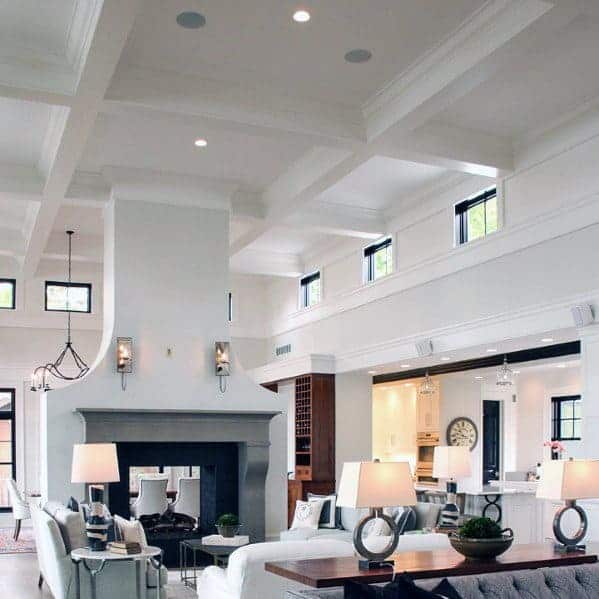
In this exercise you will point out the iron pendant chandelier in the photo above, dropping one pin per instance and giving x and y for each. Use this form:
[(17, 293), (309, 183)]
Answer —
[(41, 375), (505, 375)]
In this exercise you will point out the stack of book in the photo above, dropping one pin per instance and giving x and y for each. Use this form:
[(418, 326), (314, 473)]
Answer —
[(124, 548)]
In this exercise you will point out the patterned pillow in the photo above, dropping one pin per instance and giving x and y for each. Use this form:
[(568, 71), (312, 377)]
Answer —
[(307, 514), (328, 515)]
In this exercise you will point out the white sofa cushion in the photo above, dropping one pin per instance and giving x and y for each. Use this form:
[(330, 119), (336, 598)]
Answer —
[(70, 524), (131, 531), (304, 534), (328, 515)]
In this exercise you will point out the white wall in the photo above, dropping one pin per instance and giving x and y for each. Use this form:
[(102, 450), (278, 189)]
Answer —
[(166, 284), (353, 419)]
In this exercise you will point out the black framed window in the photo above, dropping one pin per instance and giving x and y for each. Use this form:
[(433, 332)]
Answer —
[(477, 217), (310, 289), (8, 292), (378, 259), (566, 418), (8, 466), (68, 297)]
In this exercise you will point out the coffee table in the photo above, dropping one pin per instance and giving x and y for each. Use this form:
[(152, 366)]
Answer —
[(189, 568)]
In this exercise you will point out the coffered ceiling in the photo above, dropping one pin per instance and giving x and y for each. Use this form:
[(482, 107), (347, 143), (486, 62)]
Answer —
[(308, 148)]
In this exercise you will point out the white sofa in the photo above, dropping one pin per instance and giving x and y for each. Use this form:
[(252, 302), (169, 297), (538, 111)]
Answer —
[(116, 581), (246, 578)]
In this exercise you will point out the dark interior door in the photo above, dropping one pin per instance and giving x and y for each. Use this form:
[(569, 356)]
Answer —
[(491, 440)]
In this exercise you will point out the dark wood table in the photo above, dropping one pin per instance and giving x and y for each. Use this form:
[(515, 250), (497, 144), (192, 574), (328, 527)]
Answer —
[(334, 571)]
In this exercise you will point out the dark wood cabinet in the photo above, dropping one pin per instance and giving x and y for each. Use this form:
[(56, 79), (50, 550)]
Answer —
[(314, 438)]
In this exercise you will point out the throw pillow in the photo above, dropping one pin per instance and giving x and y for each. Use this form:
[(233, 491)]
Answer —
[(72, 528), (307, 514), (406, 520), (329, 512), (402, 587), (131, 531)]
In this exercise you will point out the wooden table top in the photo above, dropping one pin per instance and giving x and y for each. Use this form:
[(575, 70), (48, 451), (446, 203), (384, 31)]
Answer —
[(334, 571)]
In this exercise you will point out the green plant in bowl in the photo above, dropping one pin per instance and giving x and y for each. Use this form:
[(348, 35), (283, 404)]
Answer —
[(481, 538), (227, 525)]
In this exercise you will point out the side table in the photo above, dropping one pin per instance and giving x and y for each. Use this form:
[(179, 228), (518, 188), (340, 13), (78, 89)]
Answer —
[(153, 555), (189, 568)]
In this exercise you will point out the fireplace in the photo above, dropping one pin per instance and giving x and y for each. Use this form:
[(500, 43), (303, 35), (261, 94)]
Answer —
[(219, 474), (231, 448)]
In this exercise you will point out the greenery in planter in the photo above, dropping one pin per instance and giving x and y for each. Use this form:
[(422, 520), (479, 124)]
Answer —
[(480, 528), (228, 520)]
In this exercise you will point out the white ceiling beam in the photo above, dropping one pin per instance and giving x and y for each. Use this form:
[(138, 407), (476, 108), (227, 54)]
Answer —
[(338, 219), (450, 71), (313, 173), (71, 129), (261, 262), (259, 110), (39, 96), (453, 148)]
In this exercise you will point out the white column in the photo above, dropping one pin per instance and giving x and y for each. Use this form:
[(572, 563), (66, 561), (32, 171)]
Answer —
[(589, 337)]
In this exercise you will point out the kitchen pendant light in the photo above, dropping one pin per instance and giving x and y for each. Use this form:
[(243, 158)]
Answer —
[(428, 386), (505, 375), (41, 375)]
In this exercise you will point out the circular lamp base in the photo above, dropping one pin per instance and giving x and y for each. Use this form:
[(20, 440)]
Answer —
[(570, 543), (378, 556)]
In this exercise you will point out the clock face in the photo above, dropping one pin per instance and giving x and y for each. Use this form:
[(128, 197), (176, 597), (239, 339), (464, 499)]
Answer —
[(462, 431)]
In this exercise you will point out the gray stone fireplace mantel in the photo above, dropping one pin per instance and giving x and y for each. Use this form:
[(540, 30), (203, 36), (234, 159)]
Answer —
[(249, 430)]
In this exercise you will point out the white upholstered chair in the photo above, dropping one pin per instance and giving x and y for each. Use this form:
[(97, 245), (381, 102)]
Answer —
[(20, 508), (152, 497), (188, 497)]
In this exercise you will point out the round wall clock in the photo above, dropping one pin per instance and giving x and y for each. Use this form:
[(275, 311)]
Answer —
[(462, 431)]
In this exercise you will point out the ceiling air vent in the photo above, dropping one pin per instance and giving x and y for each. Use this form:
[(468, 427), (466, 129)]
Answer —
[(283, 349)]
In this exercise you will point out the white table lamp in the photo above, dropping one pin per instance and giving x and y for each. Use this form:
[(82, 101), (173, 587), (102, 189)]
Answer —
[(95, 464), (452, 463), (568, 481), (376, 485)]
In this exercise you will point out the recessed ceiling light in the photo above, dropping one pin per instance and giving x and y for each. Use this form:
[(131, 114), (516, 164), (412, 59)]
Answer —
[(406, 366), (358, 55), (408, 384), (191, 20), (516, 372), (301, 16), (445, 359), (560, 366), (372, 372), (478, 378), (200, 143), (491, 350), (547, 340)]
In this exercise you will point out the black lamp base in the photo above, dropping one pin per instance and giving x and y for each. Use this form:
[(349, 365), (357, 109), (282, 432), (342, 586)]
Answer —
[(365, 564), (96, 526)]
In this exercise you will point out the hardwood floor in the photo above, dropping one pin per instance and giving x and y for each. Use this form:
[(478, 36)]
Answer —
[(19, 575)]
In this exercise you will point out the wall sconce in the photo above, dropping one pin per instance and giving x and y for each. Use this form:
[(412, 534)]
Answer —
[(124, 358), (223, 365)]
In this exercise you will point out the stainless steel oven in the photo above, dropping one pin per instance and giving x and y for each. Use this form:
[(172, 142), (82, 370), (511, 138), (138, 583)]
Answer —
[(425, 444)]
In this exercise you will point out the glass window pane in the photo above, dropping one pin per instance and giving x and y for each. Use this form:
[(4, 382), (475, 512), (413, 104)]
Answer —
[(314, 292), (383, 262), (6, 294), (5, 473), (5, 451), (567, 429), (5, 402), (567, 409), (578, 429), (578, 409), (59, 297), (476, 222), (491, 209)]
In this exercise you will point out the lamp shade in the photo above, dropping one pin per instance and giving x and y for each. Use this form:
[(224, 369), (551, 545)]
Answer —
[(452, 462), (569, 479), (95, 463), (376, 484)]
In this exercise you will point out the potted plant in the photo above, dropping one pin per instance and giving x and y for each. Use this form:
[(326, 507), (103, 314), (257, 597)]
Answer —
[(227, 525), (481, 538)]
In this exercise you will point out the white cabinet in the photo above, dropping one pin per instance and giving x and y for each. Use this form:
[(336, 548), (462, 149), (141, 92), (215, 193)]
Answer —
[(427, 411), (524, 514)]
